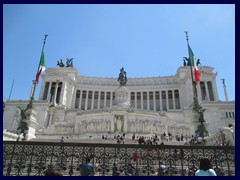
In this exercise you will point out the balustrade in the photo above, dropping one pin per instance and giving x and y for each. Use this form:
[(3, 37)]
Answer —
[(33, 158)]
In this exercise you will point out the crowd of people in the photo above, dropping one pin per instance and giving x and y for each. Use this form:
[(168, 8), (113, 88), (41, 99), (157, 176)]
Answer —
[(155, 139), (88, 169)]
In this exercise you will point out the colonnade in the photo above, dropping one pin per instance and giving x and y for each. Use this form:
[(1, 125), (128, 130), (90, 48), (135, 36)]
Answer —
[(206, 91), (150, 100), (161, 100), (53, 91)]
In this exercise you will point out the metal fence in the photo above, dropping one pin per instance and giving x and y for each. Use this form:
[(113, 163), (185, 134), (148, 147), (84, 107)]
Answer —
[(33, 158)]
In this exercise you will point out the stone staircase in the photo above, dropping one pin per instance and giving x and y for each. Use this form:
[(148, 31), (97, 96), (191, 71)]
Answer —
[(103, 141)]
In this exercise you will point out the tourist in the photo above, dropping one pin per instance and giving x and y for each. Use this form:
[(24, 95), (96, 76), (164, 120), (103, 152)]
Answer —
[(53, 172), (205, 168), (135, 155), (131, 170), (216, 143), (177, 137), (199, 140), (190, 172), (62, 140), (86, 169), (89, 167), (133, 137), (97, 170), (115, 171), (118, 140), (170, 136), (124, 139), (161, 170)]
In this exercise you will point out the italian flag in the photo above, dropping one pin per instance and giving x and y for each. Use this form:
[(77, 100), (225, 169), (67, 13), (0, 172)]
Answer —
[(193, 63), (41, 66)]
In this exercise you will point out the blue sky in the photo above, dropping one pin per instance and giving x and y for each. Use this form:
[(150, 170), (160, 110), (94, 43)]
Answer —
[(147, 40)]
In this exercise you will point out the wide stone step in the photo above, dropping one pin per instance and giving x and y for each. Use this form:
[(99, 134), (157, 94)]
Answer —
[(108, 141)]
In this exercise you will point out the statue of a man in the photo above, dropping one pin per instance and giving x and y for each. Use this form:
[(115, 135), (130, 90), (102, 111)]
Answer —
[(122, 78), (223, 81)]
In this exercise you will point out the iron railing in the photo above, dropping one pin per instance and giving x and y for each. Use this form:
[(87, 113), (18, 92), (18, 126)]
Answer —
[(33, 158)]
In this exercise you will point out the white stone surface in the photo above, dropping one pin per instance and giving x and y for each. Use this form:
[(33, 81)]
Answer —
[(96, 116)]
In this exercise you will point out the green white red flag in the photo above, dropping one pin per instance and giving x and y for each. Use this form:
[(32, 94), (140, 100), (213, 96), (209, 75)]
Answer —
[(41, 67), (193, 64)]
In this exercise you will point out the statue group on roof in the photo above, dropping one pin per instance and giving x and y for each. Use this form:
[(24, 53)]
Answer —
[(69, 63), (186, 62)]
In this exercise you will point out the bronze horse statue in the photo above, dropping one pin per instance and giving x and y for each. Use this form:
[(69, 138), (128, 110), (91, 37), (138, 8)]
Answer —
[(122, 78)]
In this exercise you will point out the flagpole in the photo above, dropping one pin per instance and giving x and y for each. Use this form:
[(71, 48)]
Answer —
[(193, 83), (34, 81), (11, 90)]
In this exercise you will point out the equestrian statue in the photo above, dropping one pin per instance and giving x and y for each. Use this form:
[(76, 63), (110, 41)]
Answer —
[(122, 78)]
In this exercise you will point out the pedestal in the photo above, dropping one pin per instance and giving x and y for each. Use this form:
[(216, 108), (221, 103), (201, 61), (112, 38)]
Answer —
[(122, 97), (32, 124)]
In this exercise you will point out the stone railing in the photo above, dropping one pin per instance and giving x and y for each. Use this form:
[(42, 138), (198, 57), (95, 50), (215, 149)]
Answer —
[(33, 158), (10, 136), (225, 136)]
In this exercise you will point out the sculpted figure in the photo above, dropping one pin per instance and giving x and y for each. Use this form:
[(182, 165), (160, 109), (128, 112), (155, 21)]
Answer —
[(198, 62), (122, 78), (60, 64), (69, 62)]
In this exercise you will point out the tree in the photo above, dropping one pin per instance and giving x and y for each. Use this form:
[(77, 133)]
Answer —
[(197, 108), (22, 125)]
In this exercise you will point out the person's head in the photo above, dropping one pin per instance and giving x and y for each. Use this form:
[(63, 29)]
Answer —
[(205, 164), (162, 168), (53, 172), (130, 165), (88, 160)]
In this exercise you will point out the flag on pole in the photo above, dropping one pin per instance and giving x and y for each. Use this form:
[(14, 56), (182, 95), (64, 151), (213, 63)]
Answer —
[(41, 67), (193, 64)]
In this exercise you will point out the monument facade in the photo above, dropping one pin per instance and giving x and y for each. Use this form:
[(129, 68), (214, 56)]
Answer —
[(77, 107)]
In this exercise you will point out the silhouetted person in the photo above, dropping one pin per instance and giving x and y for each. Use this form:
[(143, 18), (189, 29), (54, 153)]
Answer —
[(205, 168), (62, 140), (53, 172), (131, 170), (161, 170), (87, 169), (115, 171)]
